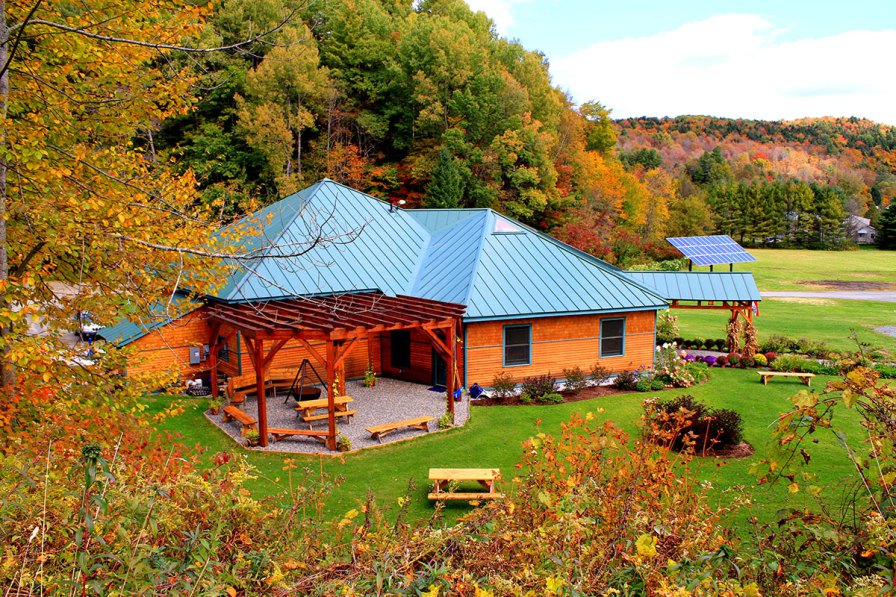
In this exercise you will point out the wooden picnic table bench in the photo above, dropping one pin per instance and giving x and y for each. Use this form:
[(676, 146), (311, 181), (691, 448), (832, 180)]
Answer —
[(805, 378), (306, 409), (231, 412), (281, 433), (442, 478), (378, 431)]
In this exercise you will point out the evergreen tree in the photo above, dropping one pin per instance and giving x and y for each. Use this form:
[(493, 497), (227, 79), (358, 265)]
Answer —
[(446, 189), (886, 230)]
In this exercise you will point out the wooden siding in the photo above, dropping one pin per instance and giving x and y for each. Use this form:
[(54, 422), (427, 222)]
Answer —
[(167, 349), (558, 343)]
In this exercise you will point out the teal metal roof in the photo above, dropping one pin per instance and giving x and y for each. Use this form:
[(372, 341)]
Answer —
[(532, 274), (364, 246), (126, 331), (699, 286)]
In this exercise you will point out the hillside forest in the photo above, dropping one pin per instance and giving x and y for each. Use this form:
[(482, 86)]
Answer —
[(424, 102)]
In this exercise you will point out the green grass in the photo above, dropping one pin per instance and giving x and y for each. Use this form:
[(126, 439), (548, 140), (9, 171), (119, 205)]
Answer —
[(793, 269), (825, 320), (493, 439)]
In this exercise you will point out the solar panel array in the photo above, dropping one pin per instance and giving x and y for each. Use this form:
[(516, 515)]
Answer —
[(711, 250)]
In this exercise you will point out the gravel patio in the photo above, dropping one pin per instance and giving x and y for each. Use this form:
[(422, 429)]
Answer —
[(390, 400)]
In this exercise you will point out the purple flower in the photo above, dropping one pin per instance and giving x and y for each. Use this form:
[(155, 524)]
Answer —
[(709, 360)]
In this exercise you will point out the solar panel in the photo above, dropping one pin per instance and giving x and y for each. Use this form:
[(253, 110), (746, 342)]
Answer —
[(711, 250)]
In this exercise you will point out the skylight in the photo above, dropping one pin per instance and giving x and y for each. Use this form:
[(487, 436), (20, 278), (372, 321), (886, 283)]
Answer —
[(502, 226)]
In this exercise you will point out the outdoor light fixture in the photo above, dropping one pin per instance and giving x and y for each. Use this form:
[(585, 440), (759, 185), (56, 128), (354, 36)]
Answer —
[(392, 205)]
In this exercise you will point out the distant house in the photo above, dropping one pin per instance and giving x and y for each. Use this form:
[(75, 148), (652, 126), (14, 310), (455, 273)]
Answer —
[(859, 230), (530, 304)]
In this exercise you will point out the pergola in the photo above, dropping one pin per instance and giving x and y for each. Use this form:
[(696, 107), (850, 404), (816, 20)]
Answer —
[(339, 321)]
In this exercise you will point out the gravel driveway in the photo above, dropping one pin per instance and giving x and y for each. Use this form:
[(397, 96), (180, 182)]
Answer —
[(852, 295)]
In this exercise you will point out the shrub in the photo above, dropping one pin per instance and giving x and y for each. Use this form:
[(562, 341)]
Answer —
[(527, 398), (770, 356), (599, 374), (810, 366), (788, 362), (709, 360), (575, 379), (343, 443), (503, 386), (729, 426), (671, 368), (551, 398), (626, 380), (747, 361), (721, 344), (539, 385), (699, 372), (733, 359), (779, 343), (721, 361), (678, 340), (446, 422), (886, 371), (657, 384), (697, 342), (685, 423), (760, 360), (666, 326), (644, 385)]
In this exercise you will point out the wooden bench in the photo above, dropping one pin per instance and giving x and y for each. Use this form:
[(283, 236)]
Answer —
[(281, 433), (339, 413), (232, 412), (378, 431), (805, 378)]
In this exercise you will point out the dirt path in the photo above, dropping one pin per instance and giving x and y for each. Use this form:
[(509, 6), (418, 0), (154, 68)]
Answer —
[(853, 295)]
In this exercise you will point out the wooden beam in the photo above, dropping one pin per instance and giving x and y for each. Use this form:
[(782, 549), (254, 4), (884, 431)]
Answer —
[(331, 405), (313, 351), (440, 346), (344, 350), (260, 389), (268, 359), (452, 371)]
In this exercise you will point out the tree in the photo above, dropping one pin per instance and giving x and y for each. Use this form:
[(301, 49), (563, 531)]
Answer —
[(446, 189), (886, 230), (84, 199)]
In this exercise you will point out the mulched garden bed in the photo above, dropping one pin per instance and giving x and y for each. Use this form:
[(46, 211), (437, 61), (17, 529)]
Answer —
[(586, 394), (741, 450)]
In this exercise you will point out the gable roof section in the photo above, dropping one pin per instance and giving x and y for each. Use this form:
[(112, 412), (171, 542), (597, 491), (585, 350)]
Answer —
[(126, 331), (366, 246), (530, 274), (699, 286)]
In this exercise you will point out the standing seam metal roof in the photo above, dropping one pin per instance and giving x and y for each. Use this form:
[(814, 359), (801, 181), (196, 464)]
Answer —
[(700, 286)]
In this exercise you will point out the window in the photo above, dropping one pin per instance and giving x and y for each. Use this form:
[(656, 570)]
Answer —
[(517, 345), (224, 351), (400, 349), (612, 337)]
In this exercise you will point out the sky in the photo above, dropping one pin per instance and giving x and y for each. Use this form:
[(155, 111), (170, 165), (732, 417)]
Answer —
[(758, 59)]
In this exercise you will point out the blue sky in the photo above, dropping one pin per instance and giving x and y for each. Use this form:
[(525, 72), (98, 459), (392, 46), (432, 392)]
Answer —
[(764, 59)]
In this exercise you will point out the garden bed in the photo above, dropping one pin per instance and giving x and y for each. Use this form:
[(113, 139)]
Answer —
[(586, 394)]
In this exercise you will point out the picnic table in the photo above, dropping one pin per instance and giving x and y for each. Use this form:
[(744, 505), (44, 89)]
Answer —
[(442, 478), (306, 408)]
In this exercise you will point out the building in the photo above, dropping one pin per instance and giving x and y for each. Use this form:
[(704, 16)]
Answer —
[(530, 304), (859, 230)]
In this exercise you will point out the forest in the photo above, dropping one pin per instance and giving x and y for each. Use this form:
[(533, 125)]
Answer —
[(133, 129)]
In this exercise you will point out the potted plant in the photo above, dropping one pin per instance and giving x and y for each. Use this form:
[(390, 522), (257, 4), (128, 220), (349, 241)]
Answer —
[(253, 438), (343, 444), (214, 405), (369, 376)]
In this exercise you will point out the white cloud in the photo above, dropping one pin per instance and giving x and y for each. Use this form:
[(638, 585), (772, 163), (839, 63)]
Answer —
[(736, 66), (497, 10)]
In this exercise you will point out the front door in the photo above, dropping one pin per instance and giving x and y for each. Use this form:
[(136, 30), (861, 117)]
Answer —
[(439, 370)]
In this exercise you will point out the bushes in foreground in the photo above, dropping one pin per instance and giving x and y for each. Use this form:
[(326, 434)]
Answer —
[(685, 423)]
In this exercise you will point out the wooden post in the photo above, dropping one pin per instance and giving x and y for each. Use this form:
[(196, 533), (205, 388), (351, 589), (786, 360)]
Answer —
[(259, 387), (331, 396), (451, 376), (213, 357)]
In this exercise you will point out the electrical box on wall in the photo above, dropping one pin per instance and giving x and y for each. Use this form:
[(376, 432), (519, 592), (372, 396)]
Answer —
[(205, 352), (195, 355)]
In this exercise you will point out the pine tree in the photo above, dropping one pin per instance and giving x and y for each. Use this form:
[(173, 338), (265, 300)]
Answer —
[(886, 229), (446, 189)]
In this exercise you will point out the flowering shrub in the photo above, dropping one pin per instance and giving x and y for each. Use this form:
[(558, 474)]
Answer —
[(760, 360), (671, 366), (771, 356), (721, 361), (666, 326), (733, 359), (709, 360)]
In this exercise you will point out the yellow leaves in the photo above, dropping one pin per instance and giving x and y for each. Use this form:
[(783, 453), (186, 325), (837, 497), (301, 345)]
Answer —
[(433, 591), (554, 584), (805, 399), (793, 487), (646, 546), (348, 518)]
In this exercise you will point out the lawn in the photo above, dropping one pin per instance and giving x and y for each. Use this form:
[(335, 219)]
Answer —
[(825, 320), (794, 269), (493, 437)]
